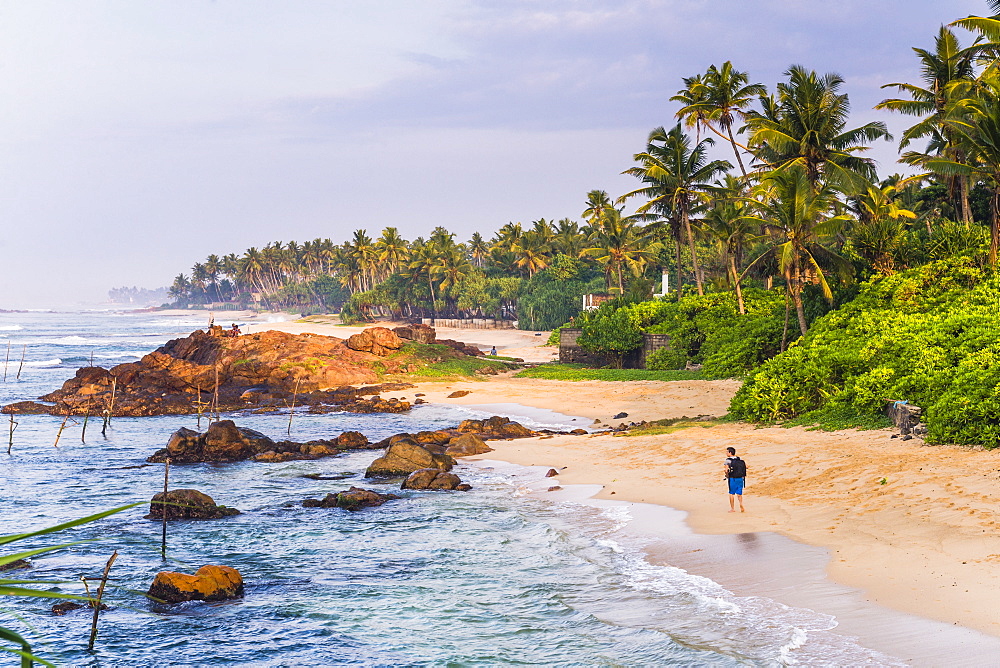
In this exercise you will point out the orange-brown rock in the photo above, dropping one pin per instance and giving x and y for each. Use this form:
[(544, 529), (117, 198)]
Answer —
[(467, 445), (209, 583), (434, 479), (375, 340), (355, 498), (419, 333), (259, 369), (405, 457)]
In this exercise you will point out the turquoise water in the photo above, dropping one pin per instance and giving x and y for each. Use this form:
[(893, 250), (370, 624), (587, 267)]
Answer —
[(492, 576)]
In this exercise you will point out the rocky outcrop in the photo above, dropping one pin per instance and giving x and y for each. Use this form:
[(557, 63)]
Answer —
[(187, 504), (209, 583), (406, 456), (495, 427), (375, 340), (355, 498), (225, 442), (434, 479), (461, 347), (418, 333), (467, 445), (255, 370), (14, 565)]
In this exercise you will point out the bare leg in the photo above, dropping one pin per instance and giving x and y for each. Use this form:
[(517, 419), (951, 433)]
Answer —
[(732, 503), (740, 497)]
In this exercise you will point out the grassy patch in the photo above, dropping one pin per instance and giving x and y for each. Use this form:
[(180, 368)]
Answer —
[(438, 361), (836, 418), (580, 372), (668, 426)]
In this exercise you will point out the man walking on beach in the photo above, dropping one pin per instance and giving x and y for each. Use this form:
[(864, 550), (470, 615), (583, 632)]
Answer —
[(736, 475)]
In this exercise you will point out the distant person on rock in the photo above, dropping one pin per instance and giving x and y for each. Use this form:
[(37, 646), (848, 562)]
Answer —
[(736, 475), (235, 331), (493, 352)]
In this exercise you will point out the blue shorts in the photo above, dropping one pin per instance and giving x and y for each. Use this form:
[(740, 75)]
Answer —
[(736, 485)]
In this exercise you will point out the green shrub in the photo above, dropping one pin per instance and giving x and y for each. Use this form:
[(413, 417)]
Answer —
[(666, 359), (926, 335)]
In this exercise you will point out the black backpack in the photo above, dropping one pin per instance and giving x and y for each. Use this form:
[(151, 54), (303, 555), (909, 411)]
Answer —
[(737, 468)]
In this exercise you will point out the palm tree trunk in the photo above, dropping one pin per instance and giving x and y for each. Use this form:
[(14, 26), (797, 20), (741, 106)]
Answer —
[(788, 310), (694, 253), (994, 226), (963, 184), (739, 158), (736, 284), (796, 284), (680, 276)]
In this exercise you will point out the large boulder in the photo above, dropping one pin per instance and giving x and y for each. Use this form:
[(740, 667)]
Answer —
[(418, 333), (355, 498), (209, 583), (495, 427), (467, 445), (434, 479), (223, 442), (405, 457), (187, 504), (375, 340)]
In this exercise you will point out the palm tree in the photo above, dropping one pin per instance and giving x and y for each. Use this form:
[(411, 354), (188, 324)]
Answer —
[(718, 98), (569, 240), (942, 68), (392, 251), (677, 177), (597, 203), (478, 249), (532, 251), (805, 125), (976, 123), (620, 245), (800, 215), (731, 223)]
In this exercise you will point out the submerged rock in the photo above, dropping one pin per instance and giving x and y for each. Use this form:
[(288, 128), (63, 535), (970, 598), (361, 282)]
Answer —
[(434, 479), (355, 498), (209, 583), (14, 565), (187, 504)]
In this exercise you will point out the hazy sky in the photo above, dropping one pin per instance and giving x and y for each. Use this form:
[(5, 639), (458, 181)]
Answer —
[(139, 137)]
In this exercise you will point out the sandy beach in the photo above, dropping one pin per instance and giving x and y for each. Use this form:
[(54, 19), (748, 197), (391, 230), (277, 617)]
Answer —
[(913, 526)]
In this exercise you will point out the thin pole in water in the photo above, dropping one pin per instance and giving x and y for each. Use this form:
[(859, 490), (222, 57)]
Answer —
[(21, 365), (13, 426), (291, 409), (86, 418), (97, 603), (61, 427), (163, 509), (215, 398), (6, 362)]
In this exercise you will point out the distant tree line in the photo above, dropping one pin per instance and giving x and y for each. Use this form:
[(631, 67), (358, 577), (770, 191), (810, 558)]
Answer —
[(800, 206)]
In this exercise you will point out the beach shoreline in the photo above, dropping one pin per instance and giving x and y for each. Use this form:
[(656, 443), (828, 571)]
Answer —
[(920, 543), (909, 525)]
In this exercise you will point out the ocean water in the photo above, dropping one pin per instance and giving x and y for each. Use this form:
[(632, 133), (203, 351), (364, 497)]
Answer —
[(494, 576)]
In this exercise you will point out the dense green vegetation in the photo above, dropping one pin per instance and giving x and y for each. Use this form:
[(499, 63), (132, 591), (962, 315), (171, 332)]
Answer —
[(580, 372), (795, 266)]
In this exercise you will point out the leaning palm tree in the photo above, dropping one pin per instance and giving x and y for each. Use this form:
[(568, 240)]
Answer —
[(676, 177), (806, 125), (718, 98), (801, 218), (948, 64)]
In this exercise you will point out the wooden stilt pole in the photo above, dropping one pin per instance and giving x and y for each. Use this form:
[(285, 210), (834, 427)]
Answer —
[(13, 426), (21, 365), (97, 602), (163, 509)]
